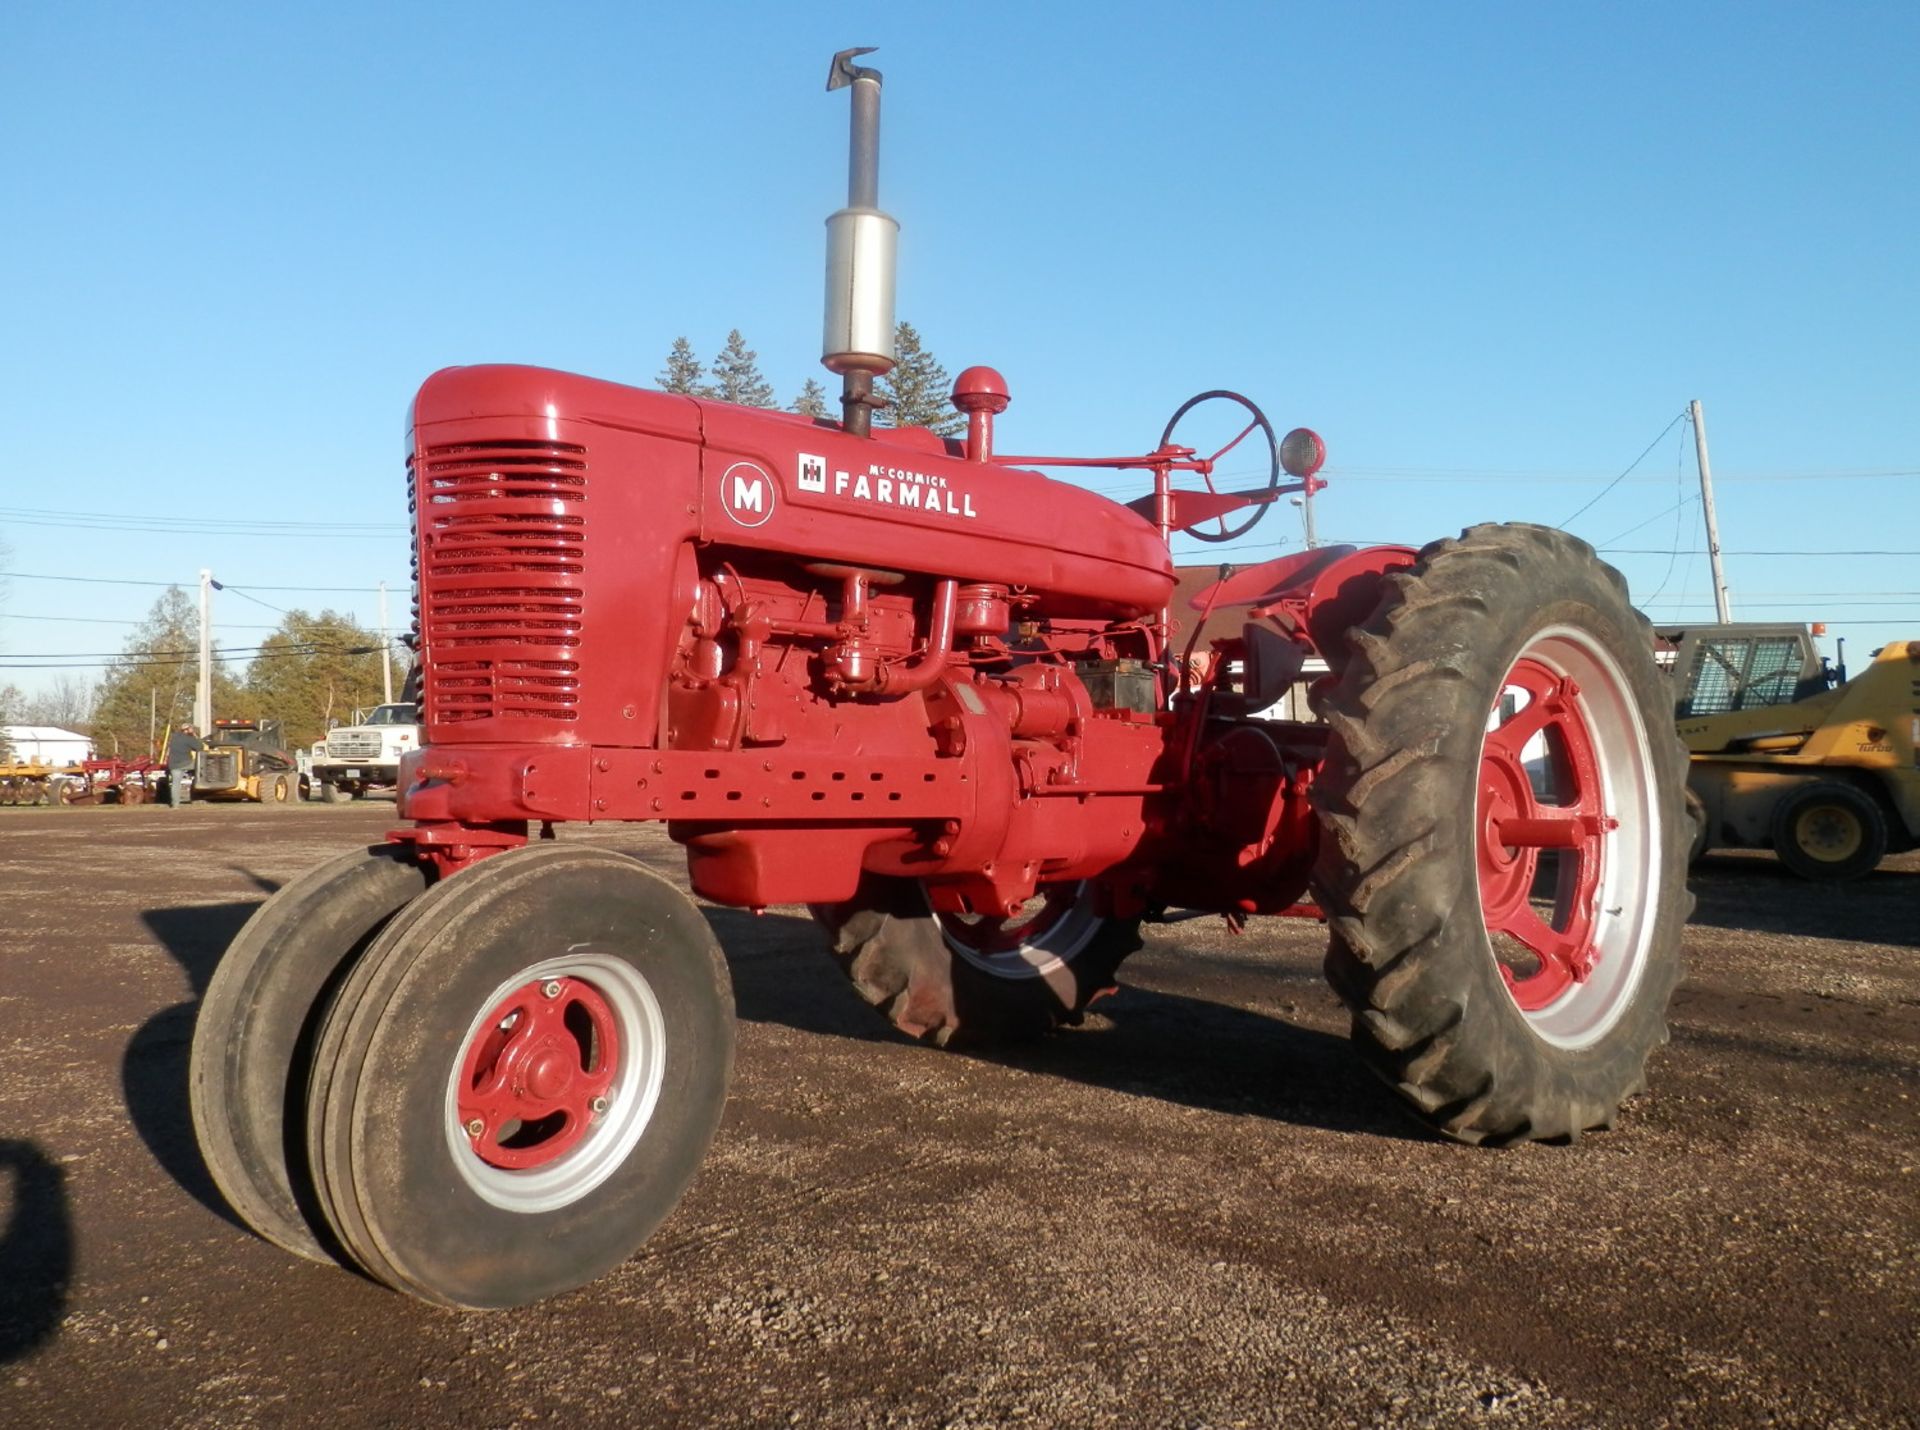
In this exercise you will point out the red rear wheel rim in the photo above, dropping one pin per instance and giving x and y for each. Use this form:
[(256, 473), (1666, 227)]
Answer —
[(1517, 826)]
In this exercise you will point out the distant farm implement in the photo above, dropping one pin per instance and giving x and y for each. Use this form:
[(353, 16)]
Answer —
[(113, 781)]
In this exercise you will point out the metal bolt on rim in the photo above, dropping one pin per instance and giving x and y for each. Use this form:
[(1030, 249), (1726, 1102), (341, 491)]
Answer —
[(1579, 730), (617, 1099)]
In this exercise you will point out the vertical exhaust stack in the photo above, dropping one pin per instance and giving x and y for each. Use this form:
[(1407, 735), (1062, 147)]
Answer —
[(862, 256)]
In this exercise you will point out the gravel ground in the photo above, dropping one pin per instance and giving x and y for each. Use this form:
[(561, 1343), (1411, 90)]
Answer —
[(1196, 1210)]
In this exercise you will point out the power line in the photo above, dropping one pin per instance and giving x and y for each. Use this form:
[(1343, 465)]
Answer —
[(1678, 417), (120, 621), (171, 522), (235, 528), (124, 581), (1636, 551), (310, 646), (1684, 501), (169, 662), (1748, 601), (221, 586), (1442, 477)]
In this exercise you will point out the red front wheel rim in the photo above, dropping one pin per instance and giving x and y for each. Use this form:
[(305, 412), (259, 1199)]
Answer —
[(536, 1072)]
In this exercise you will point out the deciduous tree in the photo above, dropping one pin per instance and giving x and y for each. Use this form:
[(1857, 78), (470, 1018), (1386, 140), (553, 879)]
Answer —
[(149, 687), (312, 670), (66, 701)]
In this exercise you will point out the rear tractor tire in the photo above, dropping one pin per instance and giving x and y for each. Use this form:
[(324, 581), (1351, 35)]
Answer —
[(252, 1041), (516, 1084), (1829, 832), (976, 982), (276, 790), (1504, 838)]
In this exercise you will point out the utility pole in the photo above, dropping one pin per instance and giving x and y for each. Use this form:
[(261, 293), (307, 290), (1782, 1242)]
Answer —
[(153, 719), (386, 652), (1722, 605), (203, 688)]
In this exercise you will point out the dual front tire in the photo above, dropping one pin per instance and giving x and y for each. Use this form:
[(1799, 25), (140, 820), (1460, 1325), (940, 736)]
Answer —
[(481, 1093)]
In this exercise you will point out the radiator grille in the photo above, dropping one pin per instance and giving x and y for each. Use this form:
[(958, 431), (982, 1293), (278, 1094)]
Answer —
[(498, 567)]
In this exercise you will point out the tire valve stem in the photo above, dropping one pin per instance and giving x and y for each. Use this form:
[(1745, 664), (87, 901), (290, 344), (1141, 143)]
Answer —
[(477, 1128), (597, 1106)]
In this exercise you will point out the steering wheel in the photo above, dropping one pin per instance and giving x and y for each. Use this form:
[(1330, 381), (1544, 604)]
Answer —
[(1258, 423)]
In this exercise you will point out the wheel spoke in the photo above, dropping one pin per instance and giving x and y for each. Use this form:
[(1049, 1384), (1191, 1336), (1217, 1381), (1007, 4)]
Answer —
[(1558, 952), (1511, 737)]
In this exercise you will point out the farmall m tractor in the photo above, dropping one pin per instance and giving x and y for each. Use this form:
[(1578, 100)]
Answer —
[(942, 701)]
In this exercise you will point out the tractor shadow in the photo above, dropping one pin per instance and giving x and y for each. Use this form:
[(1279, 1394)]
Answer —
[(1142, 1042), (1753, 892), (153, 1071), (36, 1248)]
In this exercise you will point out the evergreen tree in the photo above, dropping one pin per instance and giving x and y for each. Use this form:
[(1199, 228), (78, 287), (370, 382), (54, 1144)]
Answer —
[(683, 372), (312, 670), (918, 389), (736, 375), (812, 401), (148, 688)]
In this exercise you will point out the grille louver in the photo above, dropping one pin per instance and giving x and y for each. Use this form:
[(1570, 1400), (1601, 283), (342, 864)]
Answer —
[(502, 545)]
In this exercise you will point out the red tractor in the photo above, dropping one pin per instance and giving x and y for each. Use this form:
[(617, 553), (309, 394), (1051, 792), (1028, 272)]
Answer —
[(941, 700)]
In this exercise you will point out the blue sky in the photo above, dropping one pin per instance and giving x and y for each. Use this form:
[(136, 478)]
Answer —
[(1489, 251)]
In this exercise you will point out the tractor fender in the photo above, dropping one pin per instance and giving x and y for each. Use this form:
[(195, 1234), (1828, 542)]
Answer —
[(1316, 595)]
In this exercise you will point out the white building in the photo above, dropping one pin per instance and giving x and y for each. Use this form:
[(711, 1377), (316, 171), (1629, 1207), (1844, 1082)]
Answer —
[(46, 744)]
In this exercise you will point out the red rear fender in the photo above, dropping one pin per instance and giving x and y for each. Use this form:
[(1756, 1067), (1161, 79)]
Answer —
[(1316, 595)]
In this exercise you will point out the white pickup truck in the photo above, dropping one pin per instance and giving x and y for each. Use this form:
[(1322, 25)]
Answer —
[(364, 755)]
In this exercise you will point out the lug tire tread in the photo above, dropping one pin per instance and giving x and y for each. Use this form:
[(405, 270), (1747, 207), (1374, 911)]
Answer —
[(1402, 905), (888, 943)]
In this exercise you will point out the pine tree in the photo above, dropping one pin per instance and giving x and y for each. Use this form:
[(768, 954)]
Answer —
[(149, 687), (736, 375), (918, 388), (312, 670), (812, 401), (683, 372)]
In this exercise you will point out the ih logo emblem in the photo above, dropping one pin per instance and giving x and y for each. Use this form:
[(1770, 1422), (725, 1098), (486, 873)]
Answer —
[(747, 494), (813, 473)]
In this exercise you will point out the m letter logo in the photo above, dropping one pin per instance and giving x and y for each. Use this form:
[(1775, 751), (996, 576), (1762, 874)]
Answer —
[(746, 494), (813, 473)]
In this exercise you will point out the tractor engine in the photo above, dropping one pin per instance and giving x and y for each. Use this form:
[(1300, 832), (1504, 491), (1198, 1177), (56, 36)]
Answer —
[(815, 656)]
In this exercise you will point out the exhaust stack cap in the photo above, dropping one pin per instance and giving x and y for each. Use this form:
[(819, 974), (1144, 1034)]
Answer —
[(862, 241)]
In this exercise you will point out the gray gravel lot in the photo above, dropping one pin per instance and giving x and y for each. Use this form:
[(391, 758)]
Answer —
[(1196, 1210)]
